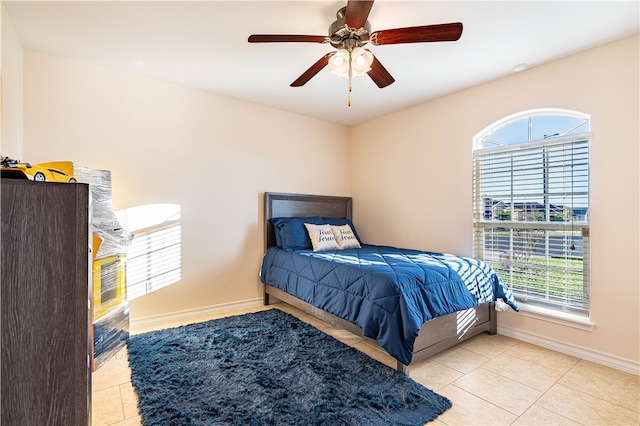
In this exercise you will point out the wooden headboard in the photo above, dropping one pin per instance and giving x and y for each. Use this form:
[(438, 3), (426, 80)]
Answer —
[(299, 205)]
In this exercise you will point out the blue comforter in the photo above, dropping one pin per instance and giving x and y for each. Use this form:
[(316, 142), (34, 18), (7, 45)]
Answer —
[(389, 292)]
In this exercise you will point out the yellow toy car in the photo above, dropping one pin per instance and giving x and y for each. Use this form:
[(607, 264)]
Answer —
[(44, 172)]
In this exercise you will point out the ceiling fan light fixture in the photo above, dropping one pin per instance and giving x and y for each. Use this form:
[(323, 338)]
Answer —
[(361, 60)]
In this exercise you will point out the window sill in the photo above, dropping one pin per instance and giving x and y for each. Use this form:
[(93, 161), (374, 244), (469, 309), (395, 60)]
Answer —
[(557, 317)]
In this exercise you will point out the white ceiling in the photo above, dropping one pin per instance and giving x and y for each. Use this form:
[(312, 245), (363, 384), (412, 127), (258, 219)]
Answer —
[(203, 44)]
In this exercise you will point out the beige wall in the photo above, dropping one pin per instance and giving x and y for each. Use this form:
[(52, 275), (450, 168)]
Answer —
[(411, 179), (165, 143), (12, 97)]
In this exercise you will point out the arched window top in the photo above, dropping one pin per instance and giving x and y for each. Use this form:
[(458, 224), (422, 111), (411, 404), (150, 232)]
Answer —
[(532, 125)]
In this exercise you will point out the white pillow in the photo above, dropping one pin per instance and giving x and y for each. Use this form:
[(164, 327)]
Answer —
[(345, 237), (322, 237)]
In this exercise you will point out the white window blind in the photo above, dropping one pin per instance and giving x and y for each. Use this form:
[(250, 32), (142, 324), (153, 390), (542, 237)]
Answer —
[(531, 207)]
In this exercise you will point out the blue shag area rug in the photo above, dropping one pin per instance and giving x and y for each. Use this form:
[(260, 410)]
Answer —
[(268, 368)]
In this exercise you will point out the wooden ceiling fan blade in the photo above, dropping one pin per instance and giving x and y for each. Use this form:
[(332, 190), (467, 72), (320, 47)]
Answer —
[(426, 33), (312, 71), (379, 74), (286, 38), (357, 13)]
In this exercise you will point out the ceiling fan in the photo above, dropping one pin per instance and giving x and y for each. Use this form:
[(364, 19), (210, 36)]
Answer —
[(349, 33)]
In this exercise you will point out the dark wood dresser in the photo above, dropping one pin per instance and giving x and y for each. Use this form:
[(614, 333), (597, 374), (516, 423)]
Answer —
[(45, 303)]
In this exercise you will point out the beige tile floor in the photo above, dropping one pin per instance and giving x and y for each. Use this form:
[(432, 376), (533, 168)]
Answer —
[(491, 380)]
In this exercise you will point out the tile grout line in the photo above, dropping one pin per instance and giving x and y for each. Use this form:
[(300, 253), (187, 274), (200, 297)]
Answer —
[(588, 394), (556, 382)]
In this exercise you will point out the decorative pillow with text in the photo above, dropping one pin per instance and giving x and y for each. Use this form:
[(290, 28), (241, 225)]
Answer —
[(322, 237), (345, 237)]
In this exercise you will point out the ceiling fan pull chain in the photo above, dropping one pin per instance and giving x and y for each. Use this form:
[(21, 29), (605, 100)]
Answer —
[(350, 75)]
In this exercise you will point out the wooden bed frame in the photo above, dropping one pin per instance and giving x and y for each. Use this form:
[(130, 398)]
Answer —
[(435, 335)]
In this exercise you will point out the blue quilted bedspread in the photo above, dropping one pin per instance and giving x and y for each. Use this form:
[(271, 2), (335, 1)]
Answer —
[(388, 292)]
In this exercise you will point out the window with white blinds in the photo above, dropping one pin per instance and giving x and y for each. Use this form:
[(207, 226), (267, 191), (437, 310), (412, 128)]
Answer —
[(531, 209)]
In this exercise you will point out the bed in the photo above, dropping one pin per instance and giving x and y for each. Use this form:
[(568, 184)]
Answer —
[(415, 304)]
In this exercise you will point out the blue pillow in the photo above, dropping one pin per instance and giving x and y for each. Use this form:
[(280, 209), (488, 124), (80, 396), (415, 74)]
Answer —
[(276, 232), (291, 233)]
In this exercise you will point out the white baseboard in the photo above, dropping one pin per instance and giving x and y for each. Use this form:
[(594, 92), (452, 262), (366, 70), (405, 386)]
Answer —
[(159, 320), (598, 357)]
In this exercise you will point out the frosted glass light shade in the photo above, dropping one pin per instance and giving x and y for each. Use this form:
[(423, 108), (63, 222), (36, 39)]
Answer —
[(361, 61), (339, 63)]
